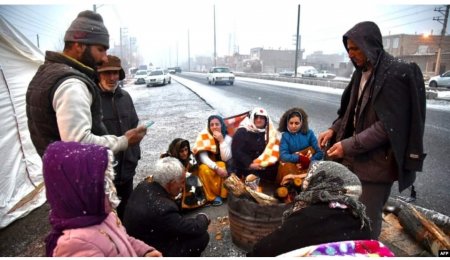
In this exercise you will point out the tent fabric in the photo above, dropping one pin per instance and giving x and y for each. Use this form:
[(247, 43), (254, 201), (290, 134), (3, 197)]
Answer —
[(21, 188)]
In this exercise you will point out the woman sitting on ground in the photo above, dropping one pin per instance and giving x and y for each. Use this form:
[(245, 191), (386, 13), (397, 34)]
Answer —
[(255, 146), (81, 193), (298, 146), (213, 150), (193, 193)]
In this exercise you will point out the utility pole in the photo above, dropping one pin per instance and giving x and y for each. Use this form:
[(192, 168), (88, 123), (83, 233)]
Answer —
[(189, 53), (215, 53), (94, 8), (297, 44), (444, 28), (120, 42), (37, 39)]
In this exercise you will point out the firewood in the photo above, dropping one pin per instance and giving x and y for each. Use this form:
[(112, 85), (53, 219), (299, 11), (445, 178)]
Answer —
[(423, 230), (261, 198), (235, 185)]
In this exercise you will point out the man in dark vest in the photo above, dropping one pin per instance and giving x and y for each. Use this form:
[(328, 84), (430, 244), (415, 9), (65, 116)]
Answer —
[(119, 115), (63, 102)]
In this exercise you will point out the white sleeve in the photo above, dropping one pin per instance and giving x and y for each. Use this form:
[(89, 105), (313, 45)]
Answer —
[(72, 103), (225, 148), (204, 158)]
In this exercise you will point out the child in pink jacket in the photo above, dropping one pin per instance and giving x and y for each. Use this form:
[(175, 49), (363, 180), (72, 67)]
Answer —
[(80, 191)]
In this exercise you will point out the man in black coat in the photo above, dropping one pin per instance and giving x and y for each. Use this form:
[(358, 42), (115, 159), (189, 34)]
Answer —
[(119, 116), (380, 126), (153, 216)]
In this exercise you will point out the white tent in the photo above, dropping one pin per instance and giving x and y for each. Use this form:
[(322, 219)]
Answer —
[(21, 185)]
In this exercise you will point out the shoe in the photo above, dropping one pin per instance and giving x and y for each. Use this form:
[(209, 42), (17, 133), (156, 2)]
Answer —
[(217, 201)]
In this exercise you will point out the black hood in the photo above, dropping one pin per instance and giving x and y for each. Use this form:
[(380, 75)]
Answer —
[(367, 36)]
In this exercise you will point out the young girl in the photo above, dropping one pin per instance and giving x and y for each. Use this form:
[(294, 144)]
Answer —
[(298, 146)]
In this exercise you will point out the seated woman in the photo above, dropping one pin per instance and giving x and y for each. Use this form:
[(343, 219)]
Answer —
[(213, 150), (327, 210), (193, 194), (80, 190), (255, 146), (298, 145)]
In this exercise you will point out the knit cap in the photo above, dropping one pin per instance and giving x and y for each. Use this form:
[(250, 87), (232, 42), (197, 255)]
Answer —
[(88, 28)]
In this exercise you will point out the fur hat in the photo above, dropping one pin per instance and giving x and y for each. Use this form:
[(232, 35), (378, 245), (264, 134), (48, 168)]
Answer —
[(113, 63), (88, 28)]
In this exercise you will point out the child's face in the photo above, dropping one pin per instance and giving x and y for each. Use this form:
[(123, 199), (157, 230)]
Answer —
[(294, 124)]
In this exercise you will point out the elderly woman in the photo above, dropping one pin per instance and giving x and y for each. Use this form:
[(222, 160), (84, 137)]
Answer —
[(81, 193), (213, 149), (327, 210), (193, 193), (255, 146), (153, 216)]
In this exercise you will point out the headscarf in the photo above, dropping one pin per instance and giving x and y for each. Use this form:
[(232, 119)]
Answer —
[(249, 123), (223, 128), (331, 182), (174, 150), (74, 176)]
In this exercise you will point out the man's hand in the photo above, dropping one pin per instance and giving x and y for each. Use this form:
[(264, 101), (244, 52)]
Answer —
[(336, 151), (135, 135), (324, 137), (255, 166), (153, 253)]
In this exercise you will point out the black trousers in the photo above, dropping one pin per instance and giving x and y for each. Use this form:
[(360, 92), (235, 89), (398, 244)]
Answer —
[(124, 191), (374, 196)]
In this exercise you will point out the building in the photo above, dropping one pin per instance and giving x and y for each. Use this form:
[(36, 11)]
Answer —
[(273, 61), (420, 49)]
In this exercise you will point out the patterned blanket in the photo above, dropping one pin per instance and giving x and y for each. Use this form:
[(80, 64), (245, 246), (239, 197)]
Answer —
[(271, 153), (204, 142)]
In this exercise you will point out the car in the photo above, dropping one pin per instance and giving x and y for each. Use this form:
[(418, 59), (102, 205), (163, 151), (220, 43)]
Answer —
[(158, 77), (306, 71), (325, 74), (442, 80), (139, 77), (174, 70), (220, 75), (286, 73)]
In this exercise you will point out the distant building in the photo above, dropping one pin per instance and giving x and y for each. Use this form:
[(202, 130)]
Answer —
[(273, 61), (334, 63), (420, 49)]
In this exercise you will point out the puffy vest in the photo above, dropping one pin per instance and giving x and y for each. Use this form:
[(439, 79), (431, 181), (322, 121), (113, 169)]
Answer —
[(42, 121)]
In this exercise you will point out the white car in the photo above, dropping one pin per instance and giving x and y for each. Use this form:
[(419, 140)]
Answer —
[(325, 74), (220, 75), (158, 77), (440, 80), (139, 77)]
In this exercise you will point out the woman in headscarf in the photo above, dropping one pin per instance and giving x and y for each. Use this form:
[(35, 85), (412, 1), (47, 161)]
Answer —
[(327, 210), (82, 197), (255, 146), (193, 193), (213, 149)]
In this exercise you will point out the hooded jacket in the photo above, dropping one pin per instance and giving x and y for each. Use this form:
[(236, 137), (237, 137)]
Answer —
[(386, 142)]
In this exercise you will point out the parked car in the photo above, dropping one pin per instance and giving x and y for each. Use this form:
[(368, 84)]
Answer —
[(220, 75), (325, 74), (139, 77), (174, 70), (158, 77), (286, 73), (442, 80), (306, 71)]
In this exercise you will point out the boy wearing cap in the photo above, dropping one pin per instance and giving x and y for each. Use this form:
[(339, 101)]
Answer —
[(62, 99), (119, 115)]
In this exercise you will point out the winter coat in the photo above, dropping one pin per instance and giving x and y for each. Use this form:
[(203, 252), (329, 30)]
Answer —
[(387, 142), (153, 216), (315, 224), (294, 142), (41, 114), (106, 239), (247, 146), (119, 116)]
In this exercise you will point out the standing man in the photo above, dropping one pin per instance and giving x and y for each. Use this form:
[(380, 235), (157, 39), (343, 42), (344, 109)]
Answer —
[(119, 115), (63, 102), (379, 130)]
